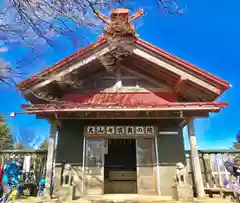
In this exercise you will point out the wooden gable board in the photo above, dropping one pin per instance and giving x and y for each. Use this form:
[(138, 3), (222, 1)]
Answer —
[(139, 51), (83, 61), (132, 81), (161, 64)]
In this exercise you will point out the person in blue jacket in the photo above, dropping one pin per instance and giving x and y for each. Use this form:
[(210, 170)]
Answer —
[(11, 176)]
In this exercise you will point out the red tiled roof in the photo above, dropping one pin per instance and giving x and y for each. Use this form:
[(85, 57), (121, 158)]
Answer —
[(60, 107), (140, 42)]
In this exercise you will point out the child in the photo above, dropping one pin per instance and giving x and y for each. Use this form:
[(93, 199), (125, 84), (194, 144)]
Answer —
[(41, 187)]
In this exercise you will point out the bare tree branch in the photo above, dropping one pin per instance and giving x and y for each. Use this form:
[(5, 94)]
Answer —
[(38, 23)]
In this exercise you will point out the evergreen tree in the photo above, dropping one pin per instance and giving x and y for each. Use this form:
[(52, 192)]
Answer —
[(2, 120), (236, 144), (6, 140), (20, 146)]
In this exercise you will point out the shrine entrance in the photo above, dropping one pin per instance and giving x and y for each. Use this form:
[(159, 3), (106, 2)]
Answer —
[(117, 162), (120, 167)]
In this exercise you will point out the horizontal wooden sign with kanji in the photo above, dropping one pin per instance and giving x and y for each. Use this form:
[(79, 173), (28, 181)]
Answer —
[(120, 131)]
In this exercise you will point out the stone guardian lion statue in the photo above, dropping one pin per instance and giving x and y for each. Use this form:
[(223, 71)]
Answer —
[(180, 174)]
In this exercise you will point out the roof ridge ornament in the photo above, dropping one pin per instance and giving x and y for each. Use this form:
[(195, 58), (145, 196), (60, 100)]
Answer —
[(119, 24), (118, 29)]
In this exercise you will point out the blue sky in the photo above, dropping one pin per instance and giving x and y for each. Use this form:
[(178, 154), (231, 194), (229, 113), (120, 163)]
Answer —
[(206, 35)]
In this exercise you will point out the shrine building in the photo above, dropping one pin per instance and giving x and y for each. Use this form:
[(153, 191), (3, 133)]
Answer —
[(117, 108)]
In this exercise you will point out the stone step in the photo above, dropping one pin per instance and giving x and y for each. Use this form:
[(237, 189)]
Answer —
[(65, 193)]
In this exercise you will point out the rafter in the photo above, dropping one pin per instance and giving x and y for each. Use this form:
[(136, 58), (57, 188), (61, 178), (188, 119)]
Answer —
[(141, 75), (161, 64), (126, 115), (84, 61), (180, 84)]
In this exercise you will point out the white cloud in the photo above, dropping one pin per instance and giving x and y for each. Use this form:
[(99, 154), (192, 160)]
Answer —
[(3, 49)]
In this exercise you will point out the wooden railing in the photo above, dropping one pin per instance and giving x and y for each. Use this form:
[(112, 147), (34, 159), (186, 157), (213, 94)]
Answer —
[(37, 162), (214, 173)]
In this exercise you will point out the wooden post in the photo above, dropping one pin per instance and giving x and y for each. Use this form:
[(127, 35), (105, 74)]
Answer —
[(226, 172), (219, 170), (118, 84), (212, 171), (50, 157), (195, 160), (205, 169)]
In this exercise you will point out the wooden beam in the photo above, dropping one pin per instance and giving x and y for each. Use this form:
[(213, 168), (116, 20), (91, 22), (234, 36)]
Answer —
[(118, 84), (85, 60), (147, 78), (94, 75), (127, 115), (169, 67), (180, 84), (122, 117), (150, 68), (196, 108), (183, 123), (198, 180), (141, 75)]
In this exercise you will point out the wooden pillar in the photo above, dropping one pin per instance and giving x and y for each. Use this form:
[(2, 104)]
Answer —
[(50, 157), (118, 84), (198, 180)]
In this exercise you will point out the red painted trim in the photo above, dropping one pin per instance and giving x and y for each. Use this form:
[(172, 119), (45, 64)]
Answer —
[(62, 106), (63, 62), (187, 65), (121, 98)]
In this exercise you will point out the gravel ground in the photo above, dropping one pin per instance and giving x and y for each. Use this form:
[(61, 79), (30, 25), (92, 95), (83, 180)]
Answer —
[(214, 200)]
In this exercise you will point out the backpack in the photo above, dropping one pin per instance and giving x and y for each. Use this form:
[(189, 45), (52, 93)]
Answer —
[(231, 168), (229, 165)]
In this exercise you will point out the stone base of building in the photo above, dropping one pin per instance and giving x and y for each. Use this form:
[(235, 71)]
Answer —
[(107, 198), (182, 192), (65, 193)]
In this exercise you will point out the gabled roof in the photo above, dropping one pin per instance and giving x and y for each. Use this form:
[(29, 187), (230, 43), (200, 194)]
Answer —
[(185, 66), (192, 91)]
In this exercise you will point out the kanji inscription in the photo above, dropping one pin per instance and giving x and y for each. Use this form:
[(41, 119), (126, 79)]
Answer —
[(120, 130)]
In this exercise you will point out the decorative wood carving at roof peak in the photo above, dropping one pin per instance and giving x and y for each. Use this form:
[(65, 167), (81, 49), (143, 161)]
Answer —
[(119, 24)]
